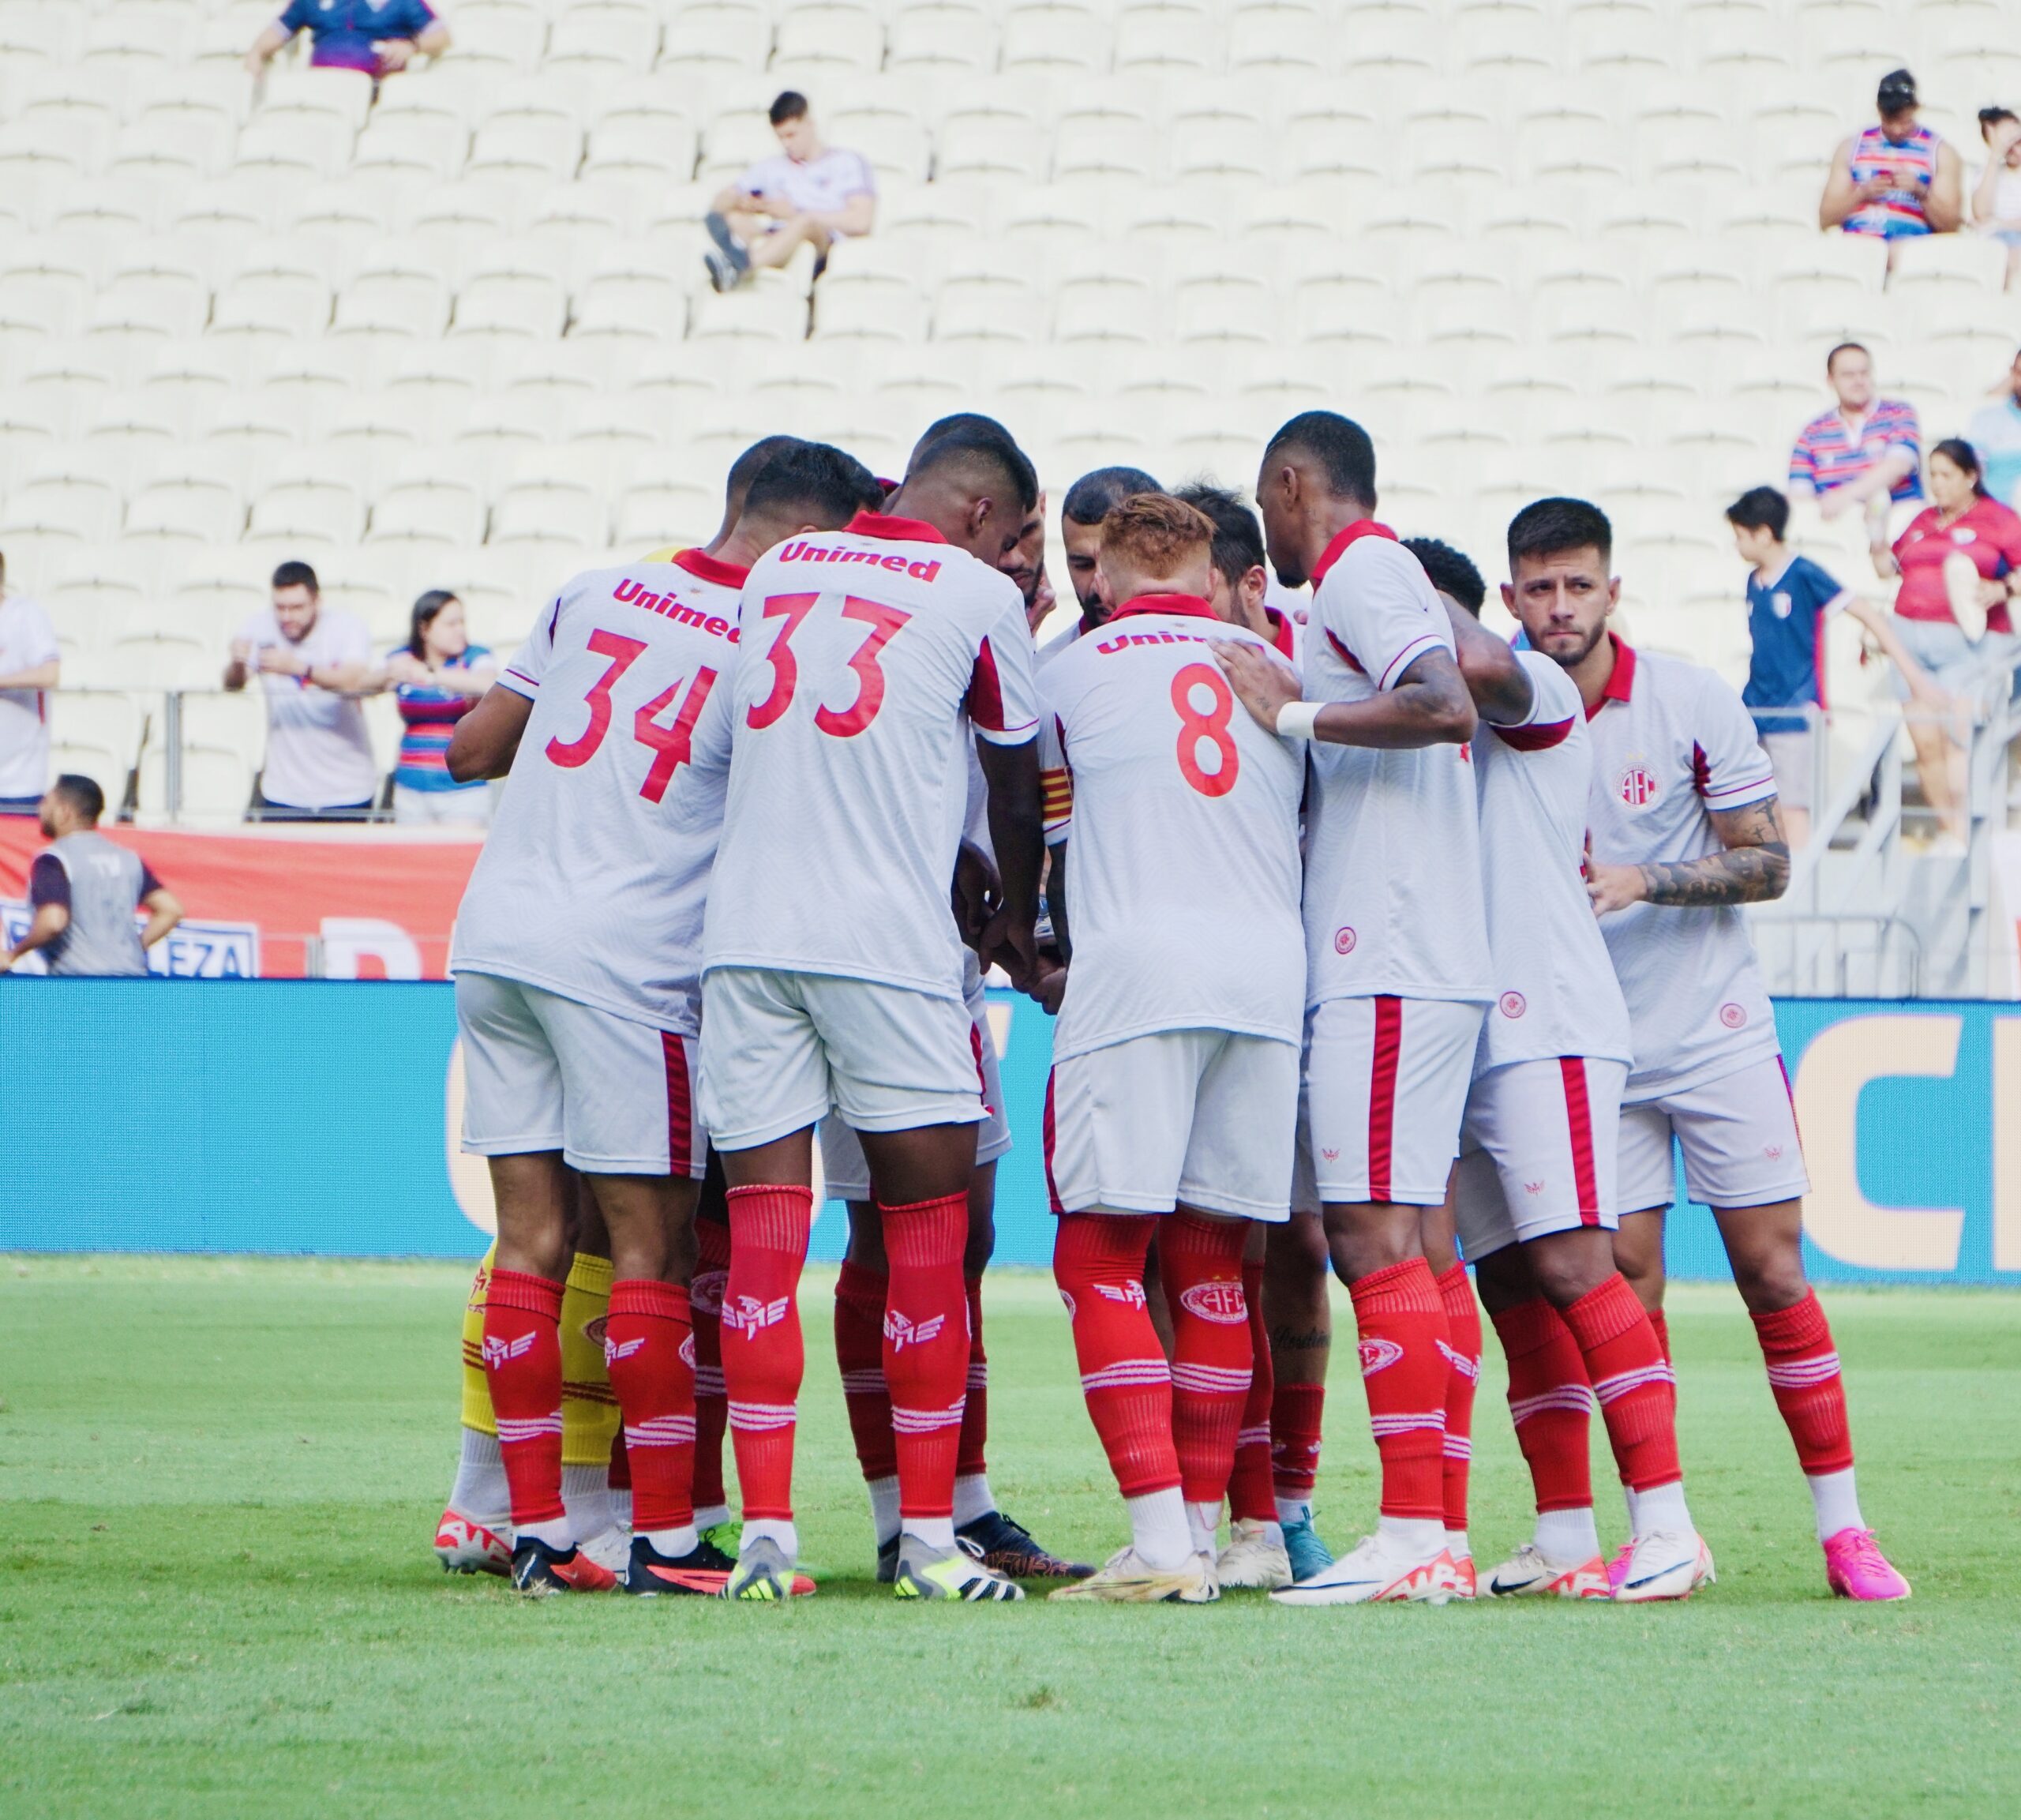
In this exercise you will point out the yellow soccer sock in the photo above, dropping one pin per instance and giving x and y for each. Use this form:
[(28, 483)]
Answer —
[(589, 1411), (477, 1392)]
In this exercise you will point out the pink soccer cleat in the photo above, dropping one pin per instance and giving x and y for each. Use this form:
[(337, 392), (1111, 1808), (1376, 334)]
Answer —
[(1855, 1568), (1617, 1566), (465, 1545)]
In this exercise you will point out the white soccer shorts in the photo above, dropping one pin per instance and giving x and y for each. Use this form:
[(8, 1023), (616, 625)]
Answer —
[(1201, 1117), (843, 1170), (542, 1072), (781, 1050), (1739, 1138), (1537, 1151), (1385, 1083)]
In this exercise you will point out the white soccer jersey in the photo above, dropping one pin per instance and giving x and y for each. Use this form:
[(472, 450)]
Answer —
[(868, 654), (592, 880), (1556, 994), (1672, 742), (1392, 882), (1183, 872)]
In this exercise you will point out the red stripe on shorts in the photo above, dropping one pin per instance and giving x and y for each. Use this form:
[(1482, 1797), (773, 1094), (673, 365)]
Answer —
[(680, 1109), (982, 1078), (1045, 1144), (1579, 1120), (1382, 1092)]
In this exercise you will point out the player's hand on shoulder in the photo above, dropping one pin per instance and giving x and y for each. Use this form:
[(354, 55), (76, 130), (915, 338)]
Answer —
[(1615, 887), (1262, 683)]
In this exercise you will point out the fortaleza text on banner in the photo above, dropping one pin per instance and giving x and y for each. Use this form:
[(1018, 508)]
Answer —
[(272, 903)]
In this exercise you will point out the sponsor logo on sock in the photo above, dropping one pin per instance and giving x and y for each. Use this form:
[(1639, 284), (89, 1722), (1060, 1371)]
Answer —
[(1378, 1355), (497, 1351), (686, 1349), (1071, 1310), (902, 1331), (612, 1351), (593, 1329), (1221, 1303), (749, 1316), (1131, 1294), (705, 1293), (1467, 1367)]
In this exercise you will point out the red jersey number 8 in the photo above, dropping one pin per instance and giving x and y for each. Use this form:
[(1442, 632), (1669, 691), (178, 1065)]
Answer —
[(1196, 729)]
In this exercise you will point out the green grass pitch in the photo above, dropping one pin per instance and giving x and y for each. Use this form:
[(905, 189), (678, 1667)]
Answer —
[(216, 1596)]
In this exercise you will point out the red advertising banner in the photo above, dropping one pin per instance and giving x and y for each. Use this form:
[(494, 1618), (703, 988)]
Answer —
[(364, 903)]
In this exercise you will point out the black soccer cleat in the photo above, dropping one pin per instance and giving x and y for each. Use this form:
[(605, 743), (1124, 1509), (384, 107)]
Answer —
[(541, 1570), (702, 1572), (1006, 1544), (887, 1562)]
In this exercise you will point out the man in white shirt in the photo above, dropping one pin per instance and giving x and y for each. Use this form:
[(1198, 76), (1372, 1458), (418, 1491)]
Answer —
[(870, 661), (1398, 973), (309, 659), (812, 194), (30, 665), (1684, 830)]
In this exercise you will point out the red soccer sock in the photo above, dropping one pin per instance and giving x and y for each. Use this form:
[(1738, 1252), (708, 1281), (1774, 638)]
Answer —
[(1803, 1373), (1297, 1412), (1661, 1323), (1463, 1372), (926, 1348), (705, 1306), (763, 1356), (1250, 1491), (647, 1346), (1200, 1262), (859, 1297), (1631, 1380), (1098, 1263), (969, 1460), (1402, 1324), (522, 1363), (1549, 1402)]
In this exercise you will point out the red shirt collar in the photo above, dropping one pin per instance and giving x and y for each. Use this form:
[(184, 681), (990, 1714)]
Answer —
[(1181, 605), (704, 567), (1280, 632), (1334, 551), (898, 530), (1621, 685)]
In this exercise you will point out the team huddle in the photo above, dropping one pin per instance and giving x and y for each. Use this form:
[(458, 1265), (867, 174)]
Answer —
[(1373, 942)]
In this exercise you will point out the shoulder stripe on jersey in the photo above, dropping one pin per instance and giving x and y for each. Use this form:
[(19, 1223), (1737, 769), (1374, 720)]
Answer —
[(1409, 655), (1538, 736), (1345, 655)]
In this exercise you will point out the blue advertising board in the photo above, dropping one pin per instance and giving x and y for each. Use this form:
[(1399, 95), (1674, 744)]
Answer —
[(320, 1117)]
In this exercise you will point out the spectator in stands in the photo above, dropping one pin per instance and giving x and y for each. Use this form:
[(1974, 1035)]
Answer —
[(1865, 453), (1996, 195), (376, 36), (30, 665), (84, 890), (812, 194), (1088, 500), (436, 677), (1995, 435), (314, 662), (1895, 180)]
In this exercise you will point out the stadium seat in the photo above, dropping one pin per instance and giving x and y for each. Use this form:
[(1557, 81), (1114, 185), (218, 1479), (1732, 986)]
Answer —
[(129, 444), (509, 293), (951, 41), (827, 39), (306, 504), (1056, 37), (717, 35), (604, 38), (508, 38), (1286, 42)]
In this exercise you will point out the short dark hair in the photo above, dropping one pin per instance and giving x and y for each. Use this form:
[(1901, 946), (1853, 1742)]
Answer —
[(1896, 94), (81, 792), (748, 467), (1992, 117), (297, 575), (1963, 457), (1832, 359), (1096, 494), (1552, 526), (1761, 508), (980, 424), (825, 482), (974, 446), (788, 104), (1451, 571), (1238, 536), (425, 607), (1343, 447)]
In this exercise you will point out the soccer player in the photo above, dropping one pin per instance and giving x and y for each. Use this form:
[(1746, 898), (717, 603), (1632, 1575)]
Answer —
[(1398, 972), (833, 976), (1172, 1103), (1684, 831), (1534, 1189), (1087, 502), (576, 960)]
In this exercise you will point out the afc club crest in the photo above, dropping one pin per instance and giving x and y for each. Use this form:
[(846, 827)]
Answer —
[(1513, 1004), (1732, 1015), (1344, 941), (1221, 1303), (1637, 787)]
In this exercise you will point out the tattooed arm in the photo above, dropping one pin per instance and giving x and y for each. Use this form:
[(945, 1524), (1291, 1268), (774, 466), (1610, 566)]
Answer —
[(1754, 868)]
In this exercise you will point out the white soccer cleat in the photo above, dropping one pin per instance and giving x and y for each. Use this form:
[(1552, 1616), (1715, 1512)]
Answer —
[(1374, 1574), (610, 1548), (1252, 1558), (1665, 1564), (1530, 1573), (473, 1544), (1126, 1579)]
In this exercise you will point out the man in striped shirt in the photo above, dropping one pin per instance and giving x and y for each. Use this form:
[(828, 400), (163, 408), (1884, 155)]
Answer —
[(1856, 460)]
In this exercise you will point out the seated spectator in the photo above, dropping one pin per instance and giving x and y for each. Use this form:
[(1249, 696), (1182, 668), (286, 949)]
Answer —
[(812, 194), (378, 37), (84, 890), (312, 662), (1895, 180), (1996, 195), (436, 677), (1088, 500), (1851, 464), (1995, 435), (30, 665)]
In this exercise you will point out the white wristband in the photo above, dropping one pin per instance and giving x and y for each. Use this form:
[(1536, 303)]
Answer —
[(1296, 719)]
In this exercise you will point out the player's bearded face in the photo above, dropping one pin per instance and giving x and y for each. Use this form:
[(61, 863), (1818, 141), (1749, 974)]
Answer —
[(1562, 602)]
